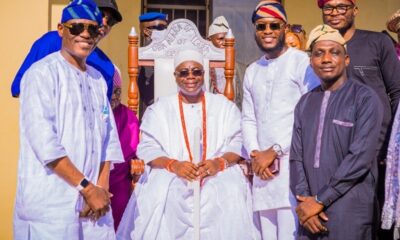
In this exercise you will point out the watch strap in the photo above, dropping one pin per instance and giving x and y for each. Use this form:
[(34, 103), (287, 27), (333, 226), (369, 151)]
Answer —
[(82, 184)]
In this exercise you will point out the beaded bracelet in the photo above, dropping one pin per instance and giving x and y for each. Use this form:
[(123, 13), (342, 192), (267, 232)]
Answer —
[(223, 163), (169, 164)]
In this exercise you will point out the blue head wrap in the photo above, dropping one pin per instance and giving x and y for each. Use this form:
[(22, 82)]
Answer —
[(82, 9), (151, 16)]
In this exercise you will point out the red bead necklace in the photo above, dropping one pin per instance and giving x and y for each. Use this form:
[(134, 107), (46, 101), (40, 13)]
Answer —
[(204, 118)]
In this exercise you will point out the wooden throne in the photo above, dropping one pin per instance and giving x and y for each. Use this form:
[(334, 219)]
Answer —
[(180, 34)]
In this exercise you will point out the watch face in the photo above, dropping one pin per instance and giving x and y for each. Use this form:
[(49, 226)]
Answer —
[(84, 183)]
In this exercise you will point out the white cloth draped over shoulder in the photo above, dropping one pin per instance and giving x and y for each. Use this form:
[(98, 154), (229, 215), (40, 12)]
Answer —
[(162, 205), (64, 112)]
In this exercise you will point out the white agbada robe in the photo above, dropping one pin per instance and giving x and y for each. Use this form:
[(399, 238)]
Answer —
[(271, 90), (63, 112), (162, 205)]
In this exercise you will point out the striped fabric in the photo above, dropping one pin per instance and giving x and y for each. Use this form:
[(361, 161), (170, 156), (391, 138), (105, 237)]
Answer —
[(269, 8), (117, 81), (82, 9)]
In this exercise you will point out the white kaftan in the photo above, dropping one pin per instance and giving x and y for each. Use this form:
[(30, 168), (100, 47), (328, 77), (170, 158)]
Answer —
[(64, 112), (271, 91), (162, 205)]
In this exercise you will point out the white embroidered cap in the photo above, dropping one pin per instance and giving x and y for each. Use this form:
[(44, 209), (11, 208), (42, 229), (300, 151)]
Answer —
[(188, 55), (219, 25)]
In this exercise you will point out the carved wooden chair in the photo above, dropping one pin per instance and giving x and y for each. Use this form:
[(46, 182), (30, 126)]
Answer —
[(181, 33)]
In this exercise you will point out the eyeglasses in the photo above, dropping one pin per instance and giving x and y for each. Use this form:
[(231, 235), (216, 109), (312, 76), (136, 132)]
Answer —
[(340, 9), (296, 28), (158, 27), (185, 72), (110, 21), (272, 26), (78, 28)]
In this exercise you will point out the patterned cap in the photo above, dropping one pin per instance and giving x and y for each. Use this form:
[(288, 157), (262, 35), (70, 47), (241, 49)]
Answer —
[(219, 25), (324, 32), (82, 9), (393, 24), (269, 8), (151, 16)]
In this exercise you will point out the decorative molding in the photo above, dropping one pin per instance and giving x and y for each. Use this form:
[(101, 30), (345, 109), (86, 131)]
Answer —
[(181, 34)]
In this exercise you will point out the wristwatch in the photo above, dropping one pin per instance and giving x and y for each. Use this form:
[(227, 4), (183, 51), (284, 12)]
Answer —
[(83, 184), (278, 149)]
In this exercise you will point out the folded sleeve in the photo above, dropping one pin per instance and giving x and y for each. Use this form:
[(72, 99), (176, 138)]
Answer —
[(38, 115)]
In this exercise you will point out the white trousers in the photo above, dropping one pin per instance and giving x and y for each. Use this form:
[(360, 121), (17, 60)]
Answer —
[(278, 224), (83, 229)]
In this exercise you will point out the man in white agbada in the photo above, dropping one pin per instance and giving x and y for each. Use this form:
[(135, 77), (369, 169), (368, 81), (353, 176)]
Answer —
[(272, 87), (162, 204), (68, 139)]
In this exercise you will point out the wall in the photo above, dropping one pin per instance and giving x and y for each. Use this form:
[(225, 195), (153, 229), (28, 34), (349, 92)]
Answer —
[(24, 22)]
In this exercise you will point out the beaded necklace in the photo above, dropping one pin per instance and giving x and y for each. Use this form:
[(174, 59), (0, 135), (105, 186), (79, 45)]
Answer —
[(204, 118)]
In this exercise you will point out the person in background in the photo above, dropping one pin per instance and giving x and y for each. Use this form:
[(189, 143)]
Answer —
[(271, 88), (390, 212), (68, 138), (373, 62), (216, 34), (128, 132), (51, 42), (152, 27), (295, 36), (335, 137), (393, 25)]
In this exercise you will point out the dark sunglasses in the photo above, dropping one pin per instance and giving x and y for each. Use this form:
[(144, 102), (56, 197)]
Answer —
[(296, 28), (110, 21), (78, 28), (340, 9), (272, 26), (185, 72), (159, 27)]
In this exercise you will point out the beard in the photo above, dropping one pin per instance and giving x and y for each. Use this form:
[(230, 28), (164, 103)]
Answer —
[(346, 27), (278, 47)]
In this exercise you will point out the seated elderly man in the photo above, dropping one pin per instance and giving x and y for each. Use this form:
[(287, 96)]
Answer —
[(162, 205)]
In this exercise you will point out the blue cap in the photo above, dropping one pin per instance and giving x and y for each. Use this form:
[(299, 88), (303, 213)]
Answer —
[(82, 9), (151, 16)]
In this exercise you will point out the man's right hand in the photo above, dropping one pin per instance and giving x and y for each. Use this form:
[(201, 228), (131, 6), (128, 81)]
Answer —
[(314, 224), (261, 160), (98, 200), (186, 170)]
